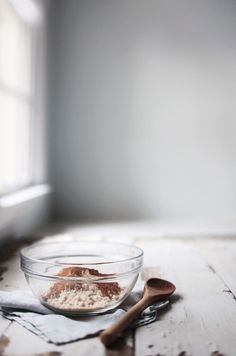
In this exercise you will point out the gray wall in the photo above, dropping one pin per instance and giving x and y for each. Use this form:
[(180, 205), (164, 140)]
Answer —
[(143, 109)]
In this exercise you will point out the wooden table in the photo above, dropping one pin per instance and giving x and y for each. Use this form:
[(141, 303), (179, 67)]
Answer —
[(201, 320)]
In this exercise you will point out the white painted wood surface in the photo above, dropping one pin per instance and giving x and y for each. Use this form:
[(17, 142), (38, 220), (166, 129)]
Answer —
[(201, 320), (221, 258)]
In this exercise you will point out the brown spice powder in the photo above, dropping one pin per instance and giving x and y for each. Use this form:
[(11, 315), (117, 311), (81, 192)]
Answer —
[(108, 289)]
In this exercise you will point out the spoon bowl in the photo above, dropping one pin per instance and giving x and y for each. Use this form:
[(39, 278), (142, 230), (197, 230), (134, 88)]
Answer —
[(158, 288), (155, 289)]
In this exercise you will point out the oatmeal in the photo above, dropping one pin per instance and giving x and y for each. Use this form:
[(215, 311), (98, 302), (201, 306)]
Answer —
[(81, 296)]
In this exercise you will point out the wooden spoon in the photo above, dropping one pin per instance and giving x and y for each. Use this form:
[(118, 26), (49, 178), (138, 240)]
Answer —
[(155, 289)]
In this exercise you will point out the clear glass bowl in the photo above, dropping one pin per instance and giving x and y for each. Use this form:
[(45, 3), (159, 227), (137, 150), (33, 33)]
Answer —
[(81, 278)]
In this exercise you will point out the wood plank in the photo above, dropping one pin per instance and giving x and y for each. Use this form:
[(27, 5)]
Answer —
[(23, 342), (85, 347), (13, 334), (95, 347), (221, 257), (10, 278), (13, 278), (203, 320), (4, 324)]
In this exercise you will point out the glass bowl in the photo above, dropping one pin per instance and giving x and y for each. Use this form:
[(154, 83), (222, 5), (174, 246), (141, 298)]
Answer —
[(81, 278)]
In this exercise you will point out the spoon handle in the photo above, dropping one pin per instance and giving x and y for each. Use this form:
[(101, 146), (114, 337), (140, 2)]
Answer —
[(110, 334)]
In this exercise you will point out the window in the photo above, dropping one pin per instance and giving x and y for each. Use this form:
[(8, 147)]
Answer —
[(17, 97)]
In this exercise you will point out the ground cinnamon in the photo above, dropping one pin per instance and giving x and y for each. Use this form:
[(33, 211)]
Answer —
[(88, 292)]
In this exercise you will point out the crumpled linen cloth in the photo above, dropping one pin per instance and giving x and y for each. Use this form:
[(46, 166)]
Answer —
[(23, 307)]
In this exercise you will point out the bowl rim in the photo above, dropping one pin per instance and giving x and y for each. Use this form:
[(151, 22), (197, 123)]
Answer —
[(95, 279), (24, 257)]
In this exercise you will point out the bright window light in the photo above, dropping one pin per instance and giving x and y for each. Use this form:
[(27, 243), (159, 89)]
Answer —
[(16, 99), (29, 10)]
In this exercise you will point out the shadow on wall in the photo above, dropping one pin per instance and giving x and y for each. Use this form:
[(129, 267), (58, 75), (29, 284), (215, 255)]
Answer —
[(143, 109)]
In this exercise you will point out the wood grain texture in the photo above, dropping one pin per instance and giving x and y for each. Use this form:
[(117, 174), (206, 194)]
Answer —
[(23, 342), (202, 318), (221, 258), (4, 324), (17, 340)]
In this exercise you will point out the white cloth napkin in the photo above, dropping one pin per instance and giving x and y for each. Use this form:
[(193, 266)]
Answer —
[(23, 307)]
